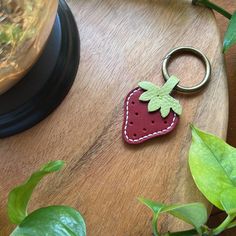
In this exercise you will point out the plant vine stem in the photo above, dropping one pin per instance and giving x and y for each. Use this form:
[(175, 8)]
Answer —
[(154, 225), (191, 232), (213, 6), (231, 225), (223, 225)]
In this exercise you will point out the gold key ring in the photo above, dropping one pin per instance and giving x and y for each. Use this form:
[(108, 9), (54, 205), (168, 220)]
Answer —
[(199, 54)]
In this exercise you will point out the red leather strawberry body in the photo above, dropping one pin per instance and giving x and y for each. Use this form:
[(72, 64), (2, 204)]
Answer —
[(140, 125)]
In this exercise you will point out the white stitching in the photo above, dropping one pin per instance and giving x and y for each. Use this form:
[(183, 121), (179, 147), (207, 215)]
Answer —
[(146, 136)]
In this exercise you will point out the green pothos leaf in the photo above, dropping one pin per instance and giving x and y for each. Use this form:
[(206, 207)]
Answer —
[(52, 221), (228, 200), (230, 35), (213, 166), (156, 209), (159, 98), (192, 232), (154, 206), (19, 197), (194, 214)]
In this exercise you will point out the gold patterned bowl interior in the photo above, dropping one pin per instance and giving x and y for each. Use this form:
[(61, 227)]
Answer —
[(25, 26)]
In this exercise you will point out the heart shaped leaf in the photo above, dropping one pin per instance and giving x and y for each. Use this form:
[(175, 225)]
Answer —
[(156, 209), (230, 35), (19, 197), (154, 206), (228, 201), (213, 165), (53, 221), (194, 214)]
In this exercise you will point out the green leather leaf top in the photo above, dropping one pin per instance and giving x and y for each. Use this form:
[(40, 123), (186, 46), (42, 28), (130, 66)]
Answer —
[(19, 197), (213, 166), (52, 221), (159, 98), (230, 35), (146, 85)]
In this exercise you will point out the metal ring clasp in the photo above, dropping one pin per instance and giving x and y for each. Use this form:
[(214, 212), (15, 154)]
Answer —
[(199, 54)]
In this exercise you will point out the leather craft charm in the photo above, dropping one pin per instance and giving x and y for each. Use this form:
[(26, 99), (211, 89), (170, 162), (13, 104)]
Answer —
[(150, 111)]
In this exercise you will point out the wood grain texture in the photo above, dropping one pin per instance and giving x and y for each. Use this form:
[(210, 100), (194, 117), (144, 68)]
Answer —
[(122, 43)]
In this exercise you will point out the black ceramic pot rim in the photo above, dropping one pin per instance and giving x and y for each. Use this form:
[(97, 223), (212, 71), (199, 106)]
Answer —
[(48, 82)]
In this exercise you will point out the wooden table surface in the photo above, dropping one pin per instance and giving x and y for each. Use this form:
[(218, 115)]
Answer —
[(230, 59), (103, 176)]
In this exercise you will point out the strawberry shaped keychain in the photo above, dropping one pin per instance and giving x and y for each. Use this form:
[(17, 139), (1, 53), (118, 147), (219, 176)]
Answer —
[(150, 111)]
